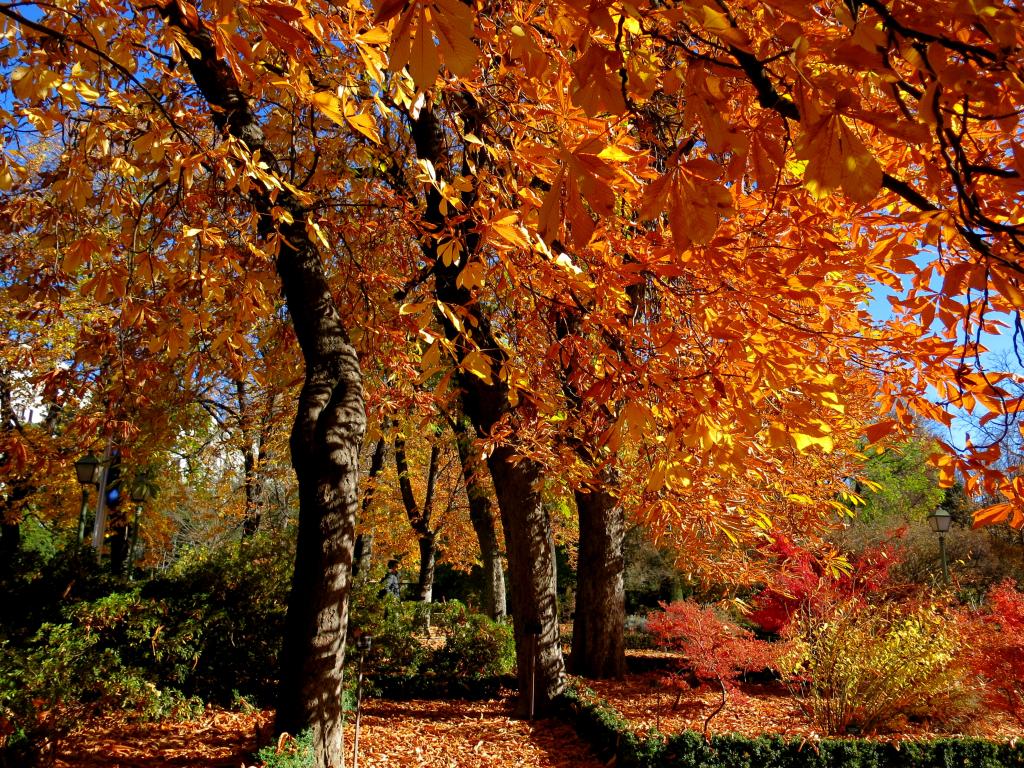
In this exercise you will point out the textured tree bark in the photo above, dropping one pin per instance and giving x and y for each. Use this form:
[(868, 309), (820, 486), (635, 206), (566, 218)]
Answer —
[(517, 479), (531, 561), (598, 643), (598, 633), (481, 515), (326, 436)]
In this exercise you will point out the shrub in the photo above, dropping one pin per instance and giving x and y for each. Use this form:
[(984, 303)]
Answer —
[(717, 650), (806, 586), (289, 752), (66, 675), (397, 650), (997, 649), (616, 743), (475, 648), (476, 651), (208, 630), (866, 669)]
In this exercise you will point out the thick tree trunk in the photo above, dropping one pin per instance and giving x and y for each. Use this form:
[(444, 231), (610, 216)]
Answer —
[(517, 479), (481, 515), (598, 644), (326, 436), (598, 635), (531, 558)]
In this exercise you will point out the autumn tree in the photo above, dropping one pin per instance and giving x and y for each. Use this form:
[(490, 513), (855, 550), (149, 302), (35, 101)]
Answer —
[(754, 166)]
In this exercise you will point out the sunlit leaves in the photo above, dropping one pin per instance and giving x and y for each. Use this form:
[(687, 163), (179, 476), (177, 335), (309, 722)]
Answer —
[(837, 158), (427, 34)]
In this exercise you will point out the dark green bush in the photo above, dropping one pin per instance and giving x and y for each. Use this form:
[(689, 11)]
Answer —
[(476, 653), (207, 630), (475, 648), (66, 675)]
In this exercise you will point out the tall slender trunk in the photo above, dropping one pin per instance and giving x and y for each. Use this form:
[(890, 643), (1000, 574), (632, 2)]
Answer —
[(428, 554), (517, 479), (481, 515), (598, 642), (252, 513), (326, 435), (420, 518)]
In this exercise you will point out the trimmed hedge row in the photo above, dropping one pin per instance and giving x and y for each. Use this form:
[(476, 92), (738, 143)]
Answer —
[(611, 737)]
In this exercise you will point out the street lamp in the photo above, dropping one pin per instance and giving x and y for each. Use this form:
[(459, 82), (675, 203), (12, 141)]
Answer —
[(139, 494), (939, 521), (88, 470)]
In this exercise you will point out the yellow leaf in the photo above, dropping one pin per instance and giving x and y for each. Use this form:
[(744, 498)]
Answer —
[(366, 125), (423, 58), (330, 105), (454, 34), (472, 275), (430, 359), (804, 442), (477, 364), (506, 225), (836, 158), (449, 252), (410, 309)]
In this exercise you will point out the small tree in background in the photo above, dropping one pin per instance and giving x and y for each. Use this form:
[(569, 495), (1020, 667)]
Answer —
[(717, 650)]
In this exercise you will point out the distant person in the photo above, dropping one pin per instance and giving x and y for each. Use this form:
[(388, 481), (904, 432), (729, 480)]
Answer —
[(392, 582)]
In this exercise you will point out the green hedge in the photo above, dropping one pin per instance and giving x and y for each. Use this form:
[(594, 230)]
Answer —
[(611, 737)]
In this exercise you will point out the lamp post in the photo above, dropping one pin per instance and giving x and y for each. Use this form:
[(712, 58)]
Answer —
[(88, 470), (939, 521), (363, 644), (139, 495)]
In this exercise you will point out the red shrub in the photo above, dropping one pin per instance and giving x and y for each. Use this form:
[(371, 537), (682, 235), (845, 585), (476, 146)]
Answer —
[(998, 649), (805, 586), (716, 650)]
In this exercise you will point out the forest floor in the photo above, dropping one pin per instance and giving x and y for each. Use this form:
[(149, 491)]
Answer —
[(447, 734), (467, 734)]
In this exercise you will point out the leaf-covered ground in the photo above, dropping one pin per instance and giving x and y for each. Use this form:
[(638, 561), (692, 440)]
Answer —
[(446, 734), (462, 734)]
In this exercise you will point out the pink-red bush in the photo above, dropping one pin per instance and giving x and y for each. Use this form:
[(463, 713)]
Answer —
[(716, 650)]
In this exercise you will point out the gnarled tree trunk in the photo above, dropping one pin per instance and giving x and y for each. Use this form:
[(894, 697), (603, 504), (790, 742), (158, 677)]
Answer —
[(326, 436)]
